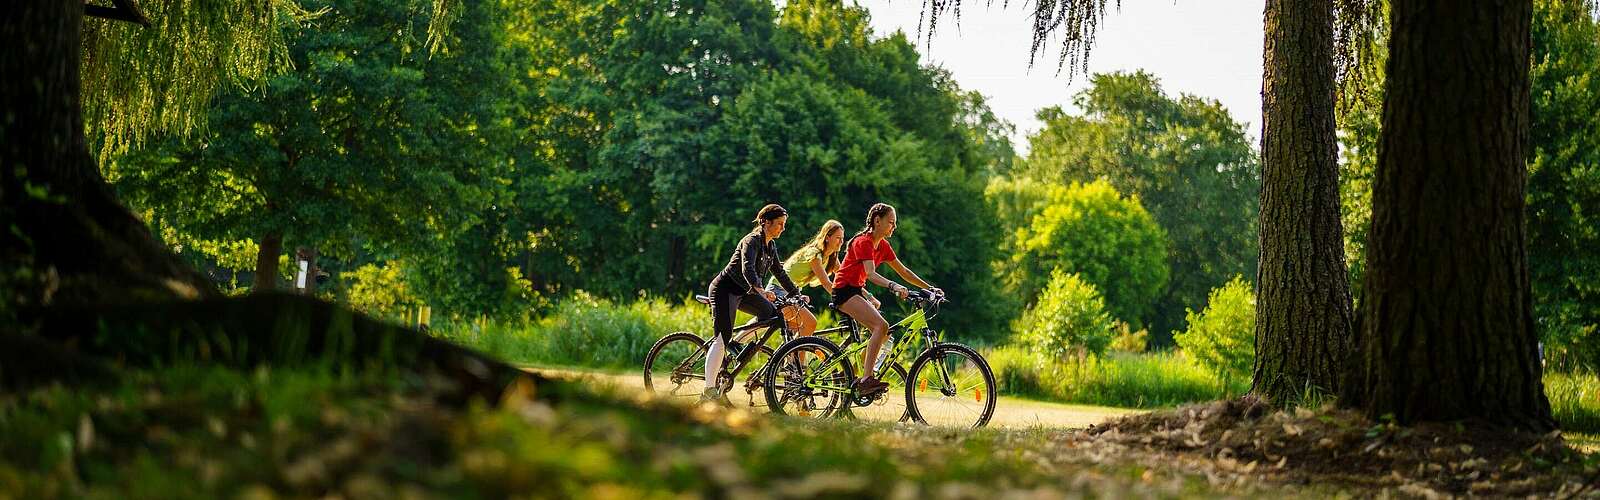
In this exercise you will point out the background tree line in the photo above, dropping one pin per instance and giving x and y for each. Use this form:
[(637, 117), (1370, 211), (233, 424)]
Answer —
[(615, 147)]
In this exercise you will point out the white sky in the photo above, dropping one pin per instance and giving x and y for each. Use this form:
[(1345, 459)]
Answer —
[(1209, 48)]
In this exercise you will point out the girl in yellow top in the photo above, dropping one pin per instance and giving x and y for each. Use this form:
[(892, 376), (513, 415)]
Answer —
[(812, 264)]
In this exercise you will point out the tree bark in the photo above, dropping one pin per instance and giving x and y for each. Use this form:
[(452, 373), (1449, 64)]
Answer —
[(69, 240), (1447, 320), (267, 263), (1303, 311)]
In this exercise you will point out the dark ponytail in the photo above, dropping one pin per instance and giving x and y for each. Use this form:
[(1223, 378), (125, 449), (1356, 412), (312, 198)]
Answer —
[(877, 210)]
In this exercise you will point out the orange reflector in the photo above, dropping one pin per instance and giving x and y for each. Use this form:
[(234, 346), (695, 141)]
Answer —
[(978, 395), (922, 385)]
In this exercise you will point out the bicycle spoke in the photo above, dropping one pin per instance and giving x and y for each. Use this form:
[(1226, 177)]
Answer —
[(952, 389)]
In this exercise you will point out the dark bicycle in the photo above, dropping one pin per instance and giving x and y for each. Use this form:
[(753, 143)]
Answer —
[(675, 366), (948, 383)]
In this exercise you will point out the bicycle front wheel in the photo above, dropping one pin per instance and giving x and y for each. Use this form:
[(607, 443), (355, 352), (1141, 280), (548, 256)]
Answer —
[(950, 385), (676, 366)]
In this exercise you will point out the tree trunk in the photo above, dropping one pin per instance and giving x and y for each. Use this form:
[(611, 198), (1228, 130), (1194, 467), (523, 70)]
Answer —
[(69, 240), (267, 263), (1303, 312), (676, 254), (1446, 321)]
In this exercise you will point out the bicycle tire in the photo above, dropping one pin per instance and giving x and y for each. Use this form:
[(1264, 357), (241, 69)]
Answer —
[(777, 390), (679, 372), (976, 370)]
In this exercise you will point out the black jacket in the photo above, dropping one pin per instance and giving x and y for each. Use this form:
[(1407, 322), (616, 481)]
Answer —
[(753, 256)]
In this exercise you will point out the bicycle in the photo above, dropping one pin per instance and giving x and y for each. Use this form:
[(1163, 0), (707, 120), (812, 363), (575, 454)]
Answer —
[(943, 376), (679, 357)]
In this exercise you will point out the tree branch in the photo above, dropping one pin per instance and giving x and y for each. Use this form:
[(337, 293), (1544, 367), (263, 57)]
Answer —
[(121, 10)]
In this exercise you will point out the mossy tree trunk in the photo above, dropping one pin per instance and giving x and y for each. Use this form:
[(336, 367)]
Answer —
[(1446, 321), (1303, 311)]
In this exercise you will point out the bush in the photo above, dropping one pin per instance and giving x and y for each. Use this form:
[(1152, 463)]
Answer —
[(1127, 340), (1222, 338), (379, 291), (1091, 230), (1068, 323)]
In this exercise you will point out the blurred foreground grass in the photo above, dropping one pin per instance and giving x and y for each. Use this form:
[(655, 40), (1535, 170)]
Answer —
[(191, 432)]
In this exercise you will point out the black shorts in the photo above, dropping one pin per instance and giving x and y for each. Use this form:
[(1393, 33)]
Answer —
[(843, 293)]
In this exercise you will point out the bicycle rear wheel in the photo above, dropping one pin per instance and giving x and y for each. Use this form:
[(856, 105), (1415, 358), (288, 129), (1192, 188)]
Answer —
[(891, 405), (808, 378), (950, 385), (676, 366)]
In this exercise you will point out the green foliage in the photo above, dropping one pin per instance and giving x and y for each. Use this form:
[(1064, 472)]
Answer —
[(1574, 400), (185, 432), (1223, 337), (1068, 323), (1190, 165), (142, 81), (1564, 182), (379, 290), (1090, 230), (1126, 380), (635, 108), (370, 149), (1563, 191), (584, 330), (1125, 339)]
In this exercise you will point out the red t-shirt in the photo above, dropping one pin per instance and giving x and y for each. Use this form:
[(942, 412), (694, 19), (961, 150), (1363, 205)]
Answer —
[(852, 272)]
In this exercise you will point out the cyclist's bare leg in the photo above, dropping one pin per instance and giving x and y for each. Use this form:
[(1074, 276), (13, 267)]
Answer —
[(803, 323), (861, 310)]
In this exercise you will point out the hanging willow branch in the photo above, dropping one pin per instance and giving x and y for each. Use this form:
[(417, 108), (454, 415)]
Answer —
[(1357, 32), (1076, 21), (120, 10), (159, 77), (1359, 35)]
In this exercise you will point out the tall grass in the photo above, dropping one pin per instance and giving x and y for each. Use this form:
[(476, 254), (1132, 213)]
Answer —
[(1575, 400), (1126, 380), (586, 331)]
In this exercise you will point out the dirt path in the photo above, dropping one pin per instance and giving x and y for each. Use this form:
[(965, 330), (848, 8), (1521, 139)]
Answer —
[(1009, 412)]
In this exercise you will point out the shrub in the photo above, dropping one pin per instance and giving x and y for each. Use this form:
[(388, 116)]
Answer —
[(1222, 338), (1068, 323), (1126, 340), (379, 291), (1106, 238)]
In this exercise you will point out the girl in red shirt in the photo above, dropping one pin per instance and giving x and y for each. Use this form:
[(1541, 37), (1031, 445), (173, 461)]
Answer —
[(867, 249)]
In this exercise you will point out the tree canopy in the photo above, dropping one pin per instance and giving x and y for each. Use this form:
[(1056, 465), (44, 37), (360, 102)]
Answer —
[(1189, 162)]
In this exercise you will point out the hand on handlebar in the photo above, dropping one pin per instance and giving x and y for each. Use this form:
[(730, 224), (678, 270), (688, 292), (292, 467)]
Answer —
[(771, 297), (805, 299), (901, 291)]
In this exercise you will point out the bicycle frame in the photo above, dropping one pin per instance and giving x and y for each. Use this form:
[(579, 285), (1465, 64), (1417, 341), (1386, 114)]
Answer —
[(735, 366), (902, 352)]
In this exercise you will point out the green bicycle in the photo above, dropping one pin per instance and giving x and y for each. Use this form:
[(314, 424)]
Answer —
[(675, 365), (948, 384)]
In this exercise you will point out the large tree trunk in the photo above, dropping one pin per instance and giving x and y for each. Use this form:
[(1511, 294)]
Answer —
[(1447, 324), (1303, 312), (267, 263), (69, 240)]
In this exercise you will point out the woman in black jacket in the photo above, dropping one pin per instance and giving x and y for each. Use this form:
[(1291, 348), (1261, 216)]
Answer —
[(738, 288)]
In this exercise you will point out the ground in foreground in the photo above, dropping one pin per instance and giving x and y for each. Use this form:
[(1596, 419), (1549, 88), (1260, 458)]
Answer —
[(217, 433)]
